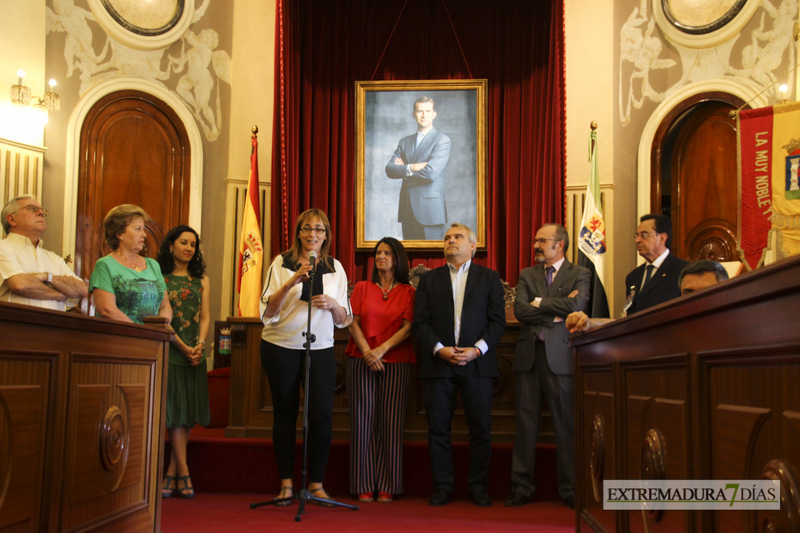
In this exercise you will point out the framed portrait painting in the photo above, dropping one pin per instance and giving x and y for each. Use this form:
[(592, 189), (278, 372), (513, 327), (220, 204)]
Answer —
[(420, 160)]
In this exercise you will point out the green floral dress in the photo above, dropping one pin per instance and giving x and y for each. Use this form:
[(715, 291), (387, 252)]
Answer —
[(187, 385)]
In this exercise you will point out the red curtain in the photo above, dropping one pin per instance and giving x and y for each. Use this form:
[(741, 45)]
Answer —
[(323, 48)]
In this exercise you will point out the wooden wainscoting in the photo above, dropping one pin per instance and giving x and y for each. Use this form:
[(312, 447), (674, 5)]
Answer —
[(251, 404), (82, 403), (701, 387)]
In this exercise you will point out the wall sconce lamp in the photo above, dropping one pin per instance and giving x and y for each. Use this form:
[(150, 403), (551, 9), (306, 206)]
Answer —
[(783, 90), (21, 96)]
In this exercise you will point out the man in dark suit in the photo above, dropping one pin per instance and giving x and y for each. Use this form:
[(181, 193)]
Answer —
[(694, 277), (655, 281), (543, 364), (419, 161), (459, 316)]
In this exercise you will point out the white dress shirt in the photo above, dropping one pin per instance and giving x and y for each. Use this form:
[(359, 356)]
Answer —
[(18, 255)]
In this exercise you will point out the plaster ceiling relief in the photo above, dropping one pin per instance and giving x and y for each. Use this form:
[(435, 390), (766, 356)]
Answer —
[(151, 17), (699, 14), (194, 68), (763, 54)]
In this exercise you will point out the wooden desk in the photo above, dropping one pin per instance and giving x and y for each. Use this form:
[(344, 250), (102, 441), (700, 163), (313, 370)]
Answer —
[(82, 404), (703, 387)]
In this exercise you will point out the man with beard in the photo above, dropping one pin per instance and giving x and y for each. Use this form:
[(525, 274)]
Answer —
[(543, 365)]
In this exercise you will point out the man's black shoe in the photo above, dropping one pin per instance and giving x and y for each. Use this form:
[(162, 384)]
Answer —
[(569, 501), (515, 499), (439, 497), (481, 498)]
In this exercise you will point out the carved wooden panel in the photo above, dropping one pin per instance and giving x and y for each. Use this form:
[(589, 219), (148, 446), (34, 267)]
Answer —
[(656, 443), (251, 402), (134, 150), (693, 160), (596, 443), (25, 391), (81, 422), (704, 211), (108, 406), (728, 409), (754, 401)]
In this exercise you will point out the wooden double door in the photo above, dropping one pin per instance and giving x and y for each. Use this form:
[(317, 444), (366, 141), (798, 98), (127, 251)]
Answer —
[(694, 176), (134, 149)]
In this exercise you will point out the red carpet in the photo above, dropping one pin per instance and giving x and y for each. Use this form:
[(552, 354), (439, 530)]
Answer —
[(226, 465), (232, 513), (230, 474)]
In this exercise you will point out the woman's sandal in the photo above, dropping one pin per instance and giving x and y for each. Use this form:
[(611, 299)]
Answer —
[(166, 491), (325, 496), (286, 492), (187, 492)]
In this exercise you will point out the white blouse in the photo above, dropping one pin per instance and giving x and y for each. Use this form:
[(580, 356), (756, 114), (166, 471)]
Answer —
[(286, 328)]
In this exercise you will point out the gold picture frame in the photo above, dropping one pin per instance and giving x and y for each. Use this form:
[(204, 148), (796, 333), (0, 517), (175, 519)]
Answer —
[(385, 124)]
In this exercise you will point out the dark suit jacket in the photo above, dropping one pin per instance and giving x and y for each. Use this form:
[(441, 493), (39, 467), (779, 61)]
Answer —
[(662, 287), (422, 193), (555, 303), (482, 317)]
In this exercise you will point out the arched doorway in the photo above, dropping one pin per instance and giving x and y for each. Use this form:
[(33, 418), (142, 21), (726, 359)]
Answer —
[(667, 112), (133, 149), (693, 175)]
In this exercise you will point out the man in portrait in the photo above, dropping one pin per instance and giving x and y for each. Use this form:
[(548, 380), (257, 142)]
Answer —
[(420, 160)]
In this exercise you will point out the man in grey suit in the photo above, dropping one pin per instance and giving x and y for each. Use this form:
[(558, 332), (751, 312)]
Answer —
[(543, 364), (419, 161)]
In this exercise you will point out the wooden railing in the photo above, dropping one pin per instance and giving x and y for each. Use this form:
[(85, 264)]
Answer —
[(82, 403), (702, 387)]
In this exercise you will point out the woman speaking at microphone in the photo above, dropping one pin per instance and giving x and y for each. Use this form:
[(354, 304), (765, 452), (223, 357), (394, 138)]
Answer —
[(289, 285)]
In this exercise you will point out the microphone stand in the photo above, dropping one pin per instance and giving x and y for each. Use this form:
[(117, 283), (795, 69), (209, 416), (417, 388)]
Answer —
[(304, 495)]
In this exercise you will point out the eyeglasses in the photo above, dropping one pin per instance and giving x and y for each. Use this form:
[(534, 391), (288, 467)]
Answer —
[(305, 230), (644, 235), (33, 209), (544, 241)]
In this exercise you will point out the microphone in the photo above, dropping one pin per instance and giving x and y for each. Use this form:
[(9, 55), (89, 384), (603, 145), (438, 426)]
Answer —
[(312, 259)]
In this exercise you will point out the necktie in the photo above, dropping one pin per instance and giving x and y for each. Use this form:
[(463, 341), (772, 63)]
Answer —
[(548, 279), (649, 273)]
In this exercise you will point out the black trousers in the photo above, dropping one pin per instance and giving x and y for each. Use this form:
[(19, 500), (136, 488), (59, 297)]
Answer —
[(285, 370), (440, 406)]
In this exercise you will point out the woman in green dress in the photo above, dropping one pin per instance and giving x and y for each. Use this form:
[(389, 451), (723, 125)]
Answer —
[(187, 384)]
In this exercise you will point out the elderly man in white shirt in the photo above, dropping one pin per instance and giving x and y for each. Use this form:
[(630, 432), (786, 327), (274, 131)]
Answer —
[(29, 274)]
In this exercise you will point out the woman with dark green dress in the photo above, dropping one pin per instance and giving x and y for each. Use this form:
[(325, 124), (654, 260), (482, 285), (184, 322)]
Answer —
[(187, 384)]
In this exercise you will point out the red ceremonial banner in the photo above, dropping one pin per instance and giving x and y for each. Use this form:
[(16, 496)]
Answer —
[(756, 133)]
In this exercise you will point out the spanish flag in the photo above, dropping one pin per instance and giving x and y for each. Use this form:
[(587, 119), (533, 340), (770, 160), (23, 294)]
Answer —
[(251, 250)]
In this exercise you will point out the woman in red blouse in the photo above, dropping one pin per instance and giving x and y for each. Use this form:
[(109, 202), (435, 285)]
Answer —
[(379, 374)]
